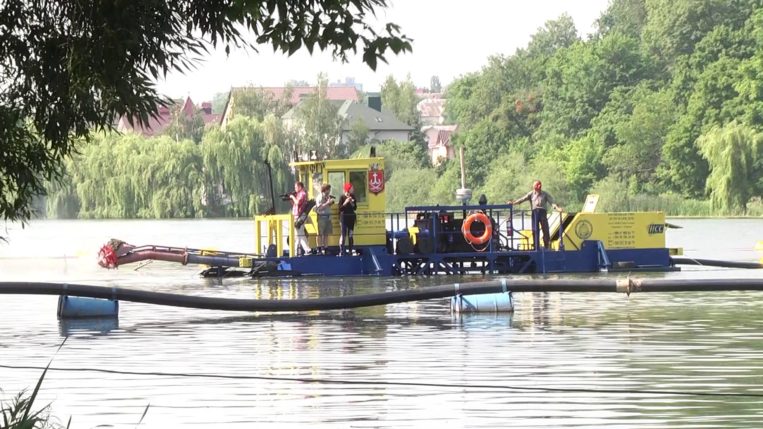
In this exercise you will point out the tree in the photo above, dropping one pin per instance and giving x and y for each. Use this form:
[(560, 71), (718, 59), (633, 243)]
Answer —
[(67, 68), (257, 103), (639, 135), (624, 16), (409, 186), (434, 84), (733, 152), (320, 124), (236, 182), (582, 78), (401, 99), (358, 136), (184, 126)]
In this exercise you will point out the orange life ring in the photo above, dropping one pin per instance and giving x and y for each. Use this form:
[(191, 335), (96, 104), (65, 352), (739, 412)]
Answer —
[(466, 228)]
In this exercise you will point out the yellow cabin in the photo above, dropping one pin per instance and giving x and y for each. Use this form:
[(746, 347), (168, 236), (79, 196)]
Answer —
[(367, 177)]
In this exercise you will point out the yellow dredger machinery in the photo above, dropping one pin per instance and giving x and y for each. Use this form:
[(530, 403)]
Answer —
[(434, 239), (615, 230)]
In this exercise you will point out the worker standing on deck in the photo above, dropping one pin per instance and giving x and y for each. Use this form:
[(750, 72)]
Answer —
[(347, 206), (323, 208), (539, 200), (298, 205)]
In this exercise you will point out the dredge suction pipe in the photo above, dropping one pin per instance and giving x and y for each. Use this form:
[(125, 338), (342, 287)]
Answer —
[(715, 263), (627, 286)]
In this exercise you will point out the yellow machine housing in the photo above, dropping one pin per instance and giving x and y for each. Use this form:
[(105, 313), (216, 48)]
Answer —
[(622, 230), (625, 230), (366, 176)]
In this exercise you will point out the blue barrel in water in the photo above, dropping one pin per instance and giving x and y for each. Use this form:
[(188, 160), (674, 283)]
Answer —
[(500, 302), (76, 307)]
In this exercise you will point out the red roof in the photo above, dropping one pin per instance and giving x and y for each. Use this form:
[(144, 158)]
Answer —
[(439, 135), (157, 125)]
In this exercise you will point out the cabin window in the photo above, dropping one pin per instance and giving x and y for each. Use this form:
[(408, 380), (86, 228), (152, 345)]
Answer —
[(317, 182), (358, 180), (336, 180)]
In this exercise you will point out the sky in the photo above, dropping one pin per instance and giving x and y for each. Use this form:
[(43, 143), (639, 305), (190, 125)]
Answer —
[(450, 38)]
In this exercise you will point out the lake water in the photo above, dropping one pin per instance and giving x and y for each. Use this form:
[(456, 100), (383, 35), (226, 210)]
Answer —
[(657, 360)]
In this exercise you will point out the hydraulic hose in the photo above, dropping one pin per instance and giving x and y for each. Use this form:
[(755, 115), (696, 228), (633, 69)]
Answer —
[(333, 303), (715, 263)]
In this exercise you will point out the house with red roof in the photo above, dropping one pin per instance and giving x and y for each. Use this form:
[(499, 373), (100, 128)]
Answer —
[(439, 142), (292, 94), (158, 123), (431, 109)]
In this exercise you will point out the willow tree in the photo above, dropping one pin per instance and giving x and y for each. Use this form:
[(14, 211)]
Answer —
[(233, 164), (734, 153), (129, 176), (66, 67)]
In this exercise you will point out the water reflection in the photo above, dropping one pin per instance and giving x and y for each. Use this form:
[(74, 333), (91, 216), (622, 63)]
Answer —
[(481, 321), (560, 360), (90, 325)]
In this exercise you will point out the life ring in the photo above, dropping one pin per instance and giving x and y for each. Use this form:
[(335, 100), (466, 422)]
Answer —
[(466, 228)]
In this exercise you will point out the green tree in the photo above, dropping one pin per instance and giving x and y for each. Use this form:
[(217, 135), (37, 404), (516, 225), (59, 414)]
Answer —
[(507, 180), (256, 103), (624, 16), (582, 78), (409, 186), (734, 153), (319, 124), (358, 136), (67, 67), (399, 155), (401, 99), (581, 162), (130, 176), (639, 135), (183, 126), (219, 100), (236, 175)]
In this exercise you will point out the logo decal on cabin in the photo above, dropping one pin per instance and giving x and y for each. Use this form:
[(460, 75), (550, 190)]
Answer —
[(584, 229), (375, 179), (656, 228)]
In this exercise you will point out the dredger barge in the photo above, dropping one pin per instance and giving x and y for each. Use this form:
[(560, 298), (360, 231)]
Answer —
[(426, 240)]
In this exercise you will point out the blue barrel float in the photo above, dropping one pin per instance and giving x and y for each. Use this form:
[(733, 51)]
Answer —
[(500, 302), (74, 307)]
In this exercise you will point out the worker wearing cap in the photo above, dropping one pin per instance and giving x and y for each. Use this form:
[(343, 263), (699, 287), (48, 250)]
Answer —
[(539, 200)]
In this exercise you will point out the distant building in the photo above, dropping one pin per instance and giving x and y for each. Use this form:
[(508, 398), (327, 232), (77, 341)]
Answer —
[(381, 124), (158, 123), (439, 144), (348, 81), (295, 94), (431, 109)]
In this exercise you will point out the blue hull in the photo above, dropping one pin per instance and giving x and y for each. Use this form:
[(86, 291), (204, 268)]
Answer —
[(376, 260)]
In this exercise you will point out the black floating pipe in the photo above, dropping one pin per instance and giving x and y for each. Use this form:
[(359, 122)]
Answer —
[(333, 303), (715, 263)]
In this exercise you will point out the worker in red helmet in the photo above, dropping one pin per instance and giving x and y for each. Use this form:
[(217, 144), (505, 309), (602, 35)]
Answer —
[(347, 207), (539, 200)]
